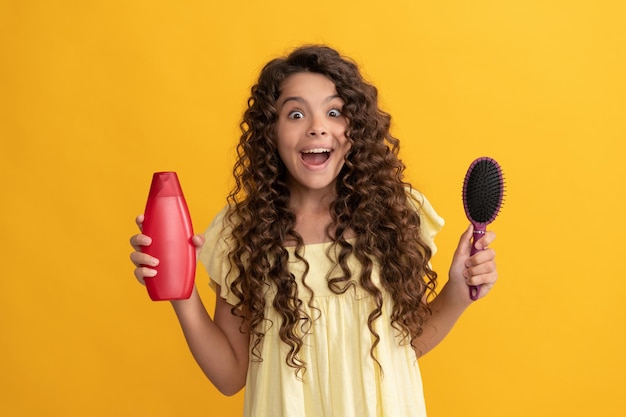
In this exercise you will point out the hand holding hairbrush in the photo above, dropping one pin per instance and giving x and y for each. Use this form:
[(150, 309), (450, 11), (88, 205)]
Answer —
[(483, 193)]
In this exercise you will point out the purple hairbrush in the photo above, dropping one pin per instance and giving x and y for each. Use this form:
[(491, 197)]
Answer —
[(483, 193)]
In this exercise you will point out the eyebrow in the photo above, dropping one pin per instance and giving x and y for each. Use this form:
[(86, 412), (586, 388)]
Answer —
[(301, 100)]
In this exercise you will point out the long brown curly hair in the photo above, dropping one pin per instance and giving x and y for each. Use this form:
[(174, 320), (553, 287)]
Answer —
[(371, 215)]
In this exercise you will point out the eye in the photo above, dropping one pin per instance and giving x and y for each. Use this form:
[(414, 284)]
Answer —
[(334, 113), (296, 114)]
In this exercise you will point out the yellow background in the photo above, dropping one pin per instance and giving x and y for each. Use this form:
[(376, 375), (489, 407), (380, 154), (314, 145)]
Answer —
[(96, 95)]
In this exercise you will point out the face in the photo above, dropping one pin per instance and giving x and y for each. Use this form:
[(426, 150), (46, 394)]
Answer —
[(310, 132)]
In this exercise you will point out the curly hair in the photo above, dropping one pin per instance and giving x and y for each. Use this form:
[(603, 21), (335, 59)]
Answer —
[(371, 208)]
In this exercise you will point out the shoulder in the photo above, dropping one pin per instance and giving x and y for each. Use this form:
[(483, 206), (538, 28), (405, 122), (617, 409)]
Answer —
[(217, 241), (219, 224), (214, 255), (430, 222)]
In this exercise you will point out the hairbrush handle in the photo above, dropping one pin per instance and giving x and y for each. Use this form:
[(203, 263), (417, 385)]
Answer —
[(479, 232)]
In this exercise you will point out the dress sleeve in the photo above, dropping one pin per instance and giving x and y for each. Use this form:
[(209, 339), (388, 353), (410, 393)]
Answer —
[(431, 222), (214, 257)]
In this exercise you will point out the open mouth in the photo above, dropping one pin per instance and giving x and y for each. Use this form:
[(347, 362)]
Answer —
[(315, 156)]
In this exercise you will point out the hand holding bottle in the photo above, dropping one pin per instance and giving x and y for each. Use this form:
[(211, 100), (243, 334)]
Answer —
[(144, 263)]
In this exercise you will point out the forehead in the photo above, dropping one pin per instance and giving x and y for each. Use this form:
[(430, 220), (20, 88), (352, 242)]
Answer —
[(307, 84)]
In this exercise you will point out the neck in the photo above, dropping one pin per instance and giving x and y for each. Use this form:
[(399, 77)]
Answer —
[(311, 201), (312, 210)]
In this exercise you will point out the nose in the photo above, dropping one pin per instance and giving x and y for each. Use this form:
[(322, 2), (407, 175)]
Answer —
[(317, 127)]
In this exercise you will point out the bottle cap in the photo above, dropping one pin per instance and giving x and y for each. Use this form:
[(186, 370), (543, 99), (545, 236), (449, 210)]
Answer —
[(165, 184)]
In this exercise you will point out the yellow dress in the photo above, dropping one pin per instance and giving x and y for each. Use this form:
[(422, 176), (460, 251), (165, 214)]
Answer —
[(341, 378)]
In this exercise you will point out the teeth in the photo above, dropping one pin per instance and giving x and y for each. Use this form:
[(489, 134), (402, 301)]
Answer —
[(317, 150)]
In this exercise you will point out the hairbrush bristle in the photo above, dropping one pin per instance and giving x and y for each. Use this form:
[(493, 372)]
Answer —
[(483, 190)]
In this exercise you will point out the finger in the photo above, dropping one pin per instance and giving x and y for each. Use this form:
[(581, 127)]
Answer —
[(465, 242), (198, 240), (138, 241), (482, 273), (143, 259), (484, 269), (486, 240), (142, 272), (139, 220), (488, 279), (480, 257)]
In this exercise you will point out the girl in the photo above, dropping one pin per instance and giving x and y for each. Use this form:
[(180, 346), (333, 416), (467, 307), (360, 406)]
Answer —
[(320, 261)]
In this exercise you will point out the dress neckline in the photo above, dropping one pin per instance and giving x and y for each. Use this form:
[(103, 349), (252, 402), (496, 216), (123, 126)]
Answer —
[(319, 245)]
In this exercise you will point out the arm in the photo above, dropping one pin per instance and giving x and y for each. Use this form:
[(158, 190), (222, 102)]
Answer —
[(453, 299), (217, 345)]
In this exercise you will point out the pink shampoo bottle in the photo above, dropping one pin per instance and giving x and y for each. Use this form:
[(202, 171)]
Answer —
[(167, 222)]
